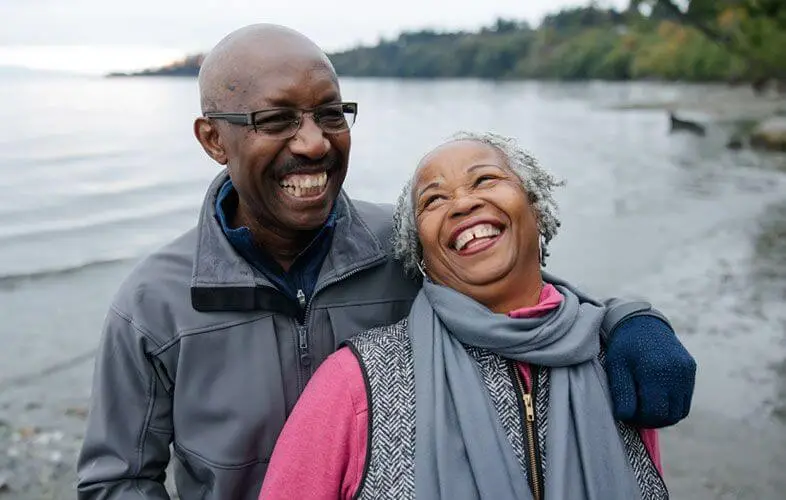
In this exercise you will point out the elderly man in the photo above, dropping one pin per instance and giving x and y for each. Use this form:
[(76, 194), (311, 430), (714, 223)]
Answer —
[(210, 341)]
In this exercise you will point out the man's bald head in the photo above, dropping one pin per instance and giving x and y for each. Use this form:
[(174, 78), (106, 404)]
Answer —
[(236, 65)]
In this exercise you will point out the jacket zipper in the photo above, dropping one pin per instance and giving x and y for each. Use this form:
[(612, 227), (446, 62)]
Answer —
[(302, 335), (302, 327), (530, 429)]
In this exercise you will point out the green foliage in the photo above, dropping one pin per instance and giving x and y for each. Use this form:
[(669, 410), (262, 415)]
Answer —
[(678, 53), (699, 40), (594, 53), (492, 53), (753, 32)]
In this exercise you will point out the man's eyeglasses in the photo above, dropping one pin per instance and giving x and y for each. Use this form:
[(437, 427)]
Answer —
[(283, 123)]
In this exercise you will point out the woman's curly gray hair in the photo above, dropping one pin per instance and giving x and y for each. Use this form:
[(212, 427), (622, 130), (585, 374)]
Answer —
[(536, 181)]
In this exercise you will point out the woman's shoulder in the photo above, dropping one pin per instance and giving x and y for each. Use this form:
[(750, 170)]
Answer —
[(381, 335), (387, 345)]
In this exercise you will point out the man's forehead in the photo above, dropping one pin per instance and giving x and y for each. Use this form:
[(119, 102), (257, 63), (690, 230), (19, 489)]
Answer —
[(285, 84), (291, 81)]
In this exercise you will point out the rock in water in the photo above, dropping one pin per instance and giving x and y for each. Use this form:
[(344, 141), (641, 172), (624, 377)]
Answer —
[(678, 124), (770, 134)]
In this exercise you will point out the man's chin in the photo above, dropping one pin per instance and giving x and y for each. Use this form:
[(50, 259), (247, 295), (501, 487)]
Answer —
[(305, 219)]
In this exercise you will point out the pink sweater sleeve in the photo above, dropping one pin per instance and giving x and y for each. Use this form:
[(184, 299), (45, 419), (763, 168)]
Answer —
[(321, 451), (651, 442)]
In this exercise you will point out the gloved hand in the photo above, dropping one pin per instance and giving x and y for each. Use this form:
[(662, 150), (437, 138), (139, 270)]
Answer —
[(651, 375)]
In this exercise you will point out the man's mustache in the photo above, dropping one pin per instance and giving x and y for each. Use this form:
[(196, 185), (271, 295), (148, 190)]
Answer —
[(301, 165)]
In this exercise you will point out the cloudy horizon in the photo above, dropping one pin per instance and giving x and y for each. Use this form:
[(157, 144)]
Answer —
[(94, 36)]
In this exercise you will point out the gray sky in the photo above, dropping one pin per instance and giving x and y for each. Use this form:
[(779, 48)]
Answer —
[(98, 35)]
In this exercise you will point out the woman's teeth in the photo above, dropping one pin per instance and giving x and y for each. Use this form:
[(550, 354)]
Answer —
[(475, 232), (304, 185)]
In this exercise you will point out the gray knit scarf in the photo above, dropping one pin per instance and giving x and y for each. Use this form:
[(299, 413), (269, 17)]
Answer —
[(461, 450)]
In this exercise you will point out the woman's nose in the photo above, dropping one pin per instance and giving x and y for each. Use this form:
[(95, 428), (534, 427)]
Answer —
[(464, 205)]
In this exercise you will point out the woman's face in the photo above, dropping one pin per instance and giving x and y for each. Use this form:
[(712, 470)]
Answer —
[(477, 228)]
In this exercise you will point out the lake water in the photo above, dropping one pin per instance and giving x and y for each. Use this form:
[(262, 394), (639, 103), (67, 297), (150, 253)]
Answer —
[(95, 173)]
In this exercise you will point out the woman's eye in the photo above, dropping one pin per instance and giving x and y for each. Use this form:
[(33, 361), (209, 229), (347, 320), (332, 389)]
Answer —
[(483, 178), (431, 200)]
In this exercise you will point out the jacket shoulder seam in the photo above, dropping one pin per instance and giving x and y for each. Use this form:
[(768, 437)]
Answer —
[(188, 332), (136, 326)]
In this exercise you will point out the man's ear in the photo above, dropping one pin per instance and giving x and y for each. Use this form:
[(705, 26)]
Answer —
[(207, 134)]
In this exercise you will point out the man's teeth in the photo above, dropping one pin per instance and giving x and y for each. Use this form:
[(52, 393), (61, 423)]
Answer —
[(478, 231), (304, 184)]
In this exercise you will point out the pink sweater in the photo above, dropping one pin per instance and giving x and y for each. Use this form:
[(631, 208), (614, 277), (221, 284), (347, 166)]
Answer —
[(321, 452)]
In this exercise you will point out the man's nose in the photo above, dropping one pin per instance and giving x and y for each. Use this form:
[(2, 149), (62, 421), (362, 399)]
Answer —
[(310, 140)]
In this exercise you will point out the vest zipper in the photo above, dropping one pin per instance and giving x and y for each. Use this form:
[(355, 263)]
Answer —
[(302, 327), (531, 430)]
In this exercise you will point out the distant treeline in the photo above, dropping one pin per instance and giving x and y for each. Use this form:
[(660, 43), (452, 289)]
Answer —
[(645, 41), (700, 40)]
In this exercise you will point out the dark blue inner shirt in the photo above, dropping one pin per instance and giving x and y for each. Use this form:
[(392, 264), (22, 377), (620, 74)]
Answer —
[(298, 283)]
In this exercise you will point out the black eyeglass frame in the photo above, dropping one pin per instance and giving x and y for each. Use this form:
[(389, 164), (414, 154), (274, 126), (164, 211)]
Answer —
[(249, 119)]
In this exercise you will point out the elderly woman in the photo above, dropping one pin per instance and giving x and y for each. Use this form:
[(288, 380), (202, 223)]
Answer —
[(494, 385)]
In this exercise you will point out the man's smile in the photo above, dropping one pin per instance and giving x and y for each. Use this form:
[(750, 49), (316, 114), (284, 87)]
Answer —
[(305, 185)]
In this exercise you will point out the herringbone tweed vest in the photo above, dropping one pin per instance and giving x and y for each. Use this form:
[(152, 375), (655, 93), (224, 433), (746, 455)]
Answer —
[(385, 356)]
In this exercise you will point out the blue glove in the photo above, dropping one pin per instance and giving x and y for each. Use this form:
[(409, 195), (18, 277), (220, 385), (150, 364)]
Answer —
[(651, 375)]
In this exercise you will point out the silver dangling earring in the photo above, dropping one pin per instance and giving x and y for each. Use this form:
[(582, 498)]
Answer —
[(543, 252), (422, 267)]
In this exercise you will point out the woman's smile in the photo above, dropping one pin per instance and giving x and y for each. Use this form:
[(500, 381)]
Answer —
[(475, 236)]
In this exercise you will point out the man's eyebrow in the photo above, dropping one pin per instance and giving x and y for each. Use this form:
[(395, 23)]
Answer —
[(284, 102), (330, 98)]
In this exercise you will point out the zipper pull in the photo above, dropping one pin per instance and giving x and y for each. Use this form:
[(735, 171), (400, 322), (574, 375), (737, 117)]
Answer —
[(529, 409), (305, 357), (301, 298)]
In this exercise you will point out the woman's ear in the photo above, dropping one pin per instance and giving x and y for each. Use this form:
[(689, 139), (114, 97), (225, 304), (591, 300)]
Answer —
[(208, 136)]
